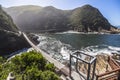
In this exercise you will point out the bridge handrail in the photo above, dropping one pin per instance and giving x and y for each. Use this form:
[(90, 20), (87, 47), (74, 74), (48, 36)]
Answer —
[(64, 69), (115, 71), (56, 63), (108, 73)]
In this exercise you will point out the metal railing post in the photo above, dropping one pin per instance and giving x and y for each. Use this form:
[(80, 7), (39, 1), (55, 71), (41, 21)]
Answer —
[(96, 77), (88, 74), (93, 74), (119, 75), (76, 63), (70, 67)]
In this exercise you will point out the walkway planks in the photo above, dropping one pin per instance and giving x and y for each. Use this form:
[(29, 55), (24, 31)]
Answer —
[(50, 59), (60, 66)]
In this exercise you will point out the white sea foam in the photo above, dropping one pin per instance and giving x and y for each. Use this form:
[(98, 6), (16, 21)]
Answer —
[(70, 31), (101, 49), (55, 48), (76, 32), (61, 51), (114, 48), (65, 53)]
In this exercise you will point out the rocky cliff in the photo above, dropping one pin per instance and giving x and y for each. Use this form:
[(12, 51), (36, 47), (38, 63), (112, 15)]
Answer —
[(10, 39)]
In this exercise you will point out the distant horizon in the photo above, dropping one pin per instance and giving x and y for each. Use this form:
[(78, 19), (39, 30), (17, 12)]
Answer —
[(110, 9)]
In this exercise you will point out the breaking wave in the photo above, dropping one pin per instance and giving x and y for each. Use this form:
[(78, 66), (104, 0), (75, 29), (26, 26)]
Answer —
[(60, 51), (55, 48), (101, 49)]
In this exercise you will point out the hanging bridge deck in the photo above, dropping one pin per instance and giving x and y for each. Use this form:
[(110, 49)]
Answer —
[(58, 65)]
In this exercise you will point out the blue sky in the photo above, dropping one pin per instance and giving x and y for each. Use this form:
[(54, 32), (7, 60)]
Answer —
[(109, 8)]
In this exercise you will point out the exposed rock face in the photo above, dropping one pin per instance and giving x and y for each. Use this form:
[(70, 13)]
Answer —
[(10, 39), (102, 65), (36, 19)]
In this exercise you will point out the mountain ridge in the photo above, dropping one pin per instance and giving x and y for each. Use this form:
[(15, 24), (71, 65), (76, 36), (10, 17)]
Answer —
[(83, 19)]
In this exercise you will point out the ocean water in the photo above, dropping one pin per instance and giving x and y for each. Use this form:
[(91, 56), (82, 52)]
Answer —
[(60, 45)]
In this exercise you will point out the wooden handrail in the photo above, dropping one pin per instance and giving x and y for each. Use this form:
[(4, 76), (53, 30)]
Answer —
[(109, 77), (100, 75), (113, 63), (114, 66)]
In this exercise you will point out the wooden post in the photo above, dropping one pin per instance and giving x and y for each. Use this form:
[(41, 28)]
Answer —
[(119, 75), (96, 77)]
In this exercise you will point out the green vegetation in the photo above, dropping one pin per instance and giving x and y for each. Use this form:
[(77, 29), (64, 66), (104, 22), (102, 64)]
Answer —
[(6, 21), (84, 19), (88, 18), (9, 40), (30, 65), (47, 18)]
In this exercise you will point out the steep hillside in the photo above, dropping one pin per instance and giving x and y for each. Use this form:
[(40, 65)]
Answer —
[(10, 40), (32, 18), (6, 22), (16, 11), (88, 18), (38, 19)]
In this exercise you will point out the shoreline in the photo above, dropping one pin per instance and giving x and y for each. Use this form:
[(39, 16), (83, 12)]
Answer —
[(76, 32)]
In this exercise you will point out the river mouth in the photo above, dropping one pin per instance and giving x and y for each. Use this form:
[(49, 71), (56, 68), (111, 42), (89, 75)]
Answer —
[(59, 46)]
